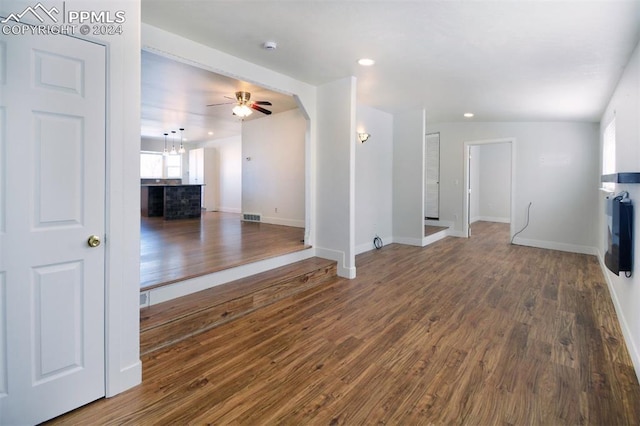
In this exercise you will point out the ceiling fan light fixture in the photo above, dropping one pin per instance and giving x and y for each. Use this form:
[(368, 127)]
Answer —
[(242, 111)]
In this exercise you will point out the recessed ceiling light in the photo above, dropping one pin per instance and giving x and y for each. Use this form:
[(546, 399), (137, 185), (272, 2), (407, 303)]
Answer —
[(366, 62), (270, 45), (210, 133), (468, 114)]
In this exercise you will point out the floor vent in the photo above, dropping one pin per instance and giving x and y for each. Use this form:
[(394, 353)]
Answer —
[(251, 217)]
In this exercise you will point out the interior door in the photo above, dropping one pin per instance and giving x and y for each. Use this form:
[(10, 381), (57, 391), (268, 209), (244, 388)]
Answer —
[(432, 177), (52, 183)]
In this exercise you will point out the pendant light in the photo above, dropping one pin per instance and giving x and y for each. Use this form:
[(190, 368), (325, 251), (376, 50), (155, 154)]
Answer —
[(181, 150), (165, 152), (173, 143)]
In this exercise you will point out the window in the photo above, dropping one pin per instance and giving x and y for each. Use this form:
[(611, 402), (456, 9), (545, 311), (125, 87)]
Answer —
[(609, 153), (151, 165), (173, 165), (154, 165)]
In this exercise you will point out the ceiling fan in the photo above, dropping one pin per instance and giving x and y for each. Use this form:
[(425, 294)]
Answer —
[(244, 105)]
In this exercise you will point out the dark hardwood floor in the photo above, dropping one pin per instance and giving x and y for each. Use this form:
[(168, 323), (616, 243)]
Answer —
[(174, 250), (464, 331)]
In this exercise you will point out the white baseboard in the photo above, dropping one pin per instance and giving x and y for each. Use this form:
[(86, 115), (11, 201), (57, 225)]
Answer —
[(281, 221), (552, 245), (430, 239), (337, 256), (446, 223), (622, 320), (183, 288), (491, 219), (455, 233), (408, 241), (124, 379)]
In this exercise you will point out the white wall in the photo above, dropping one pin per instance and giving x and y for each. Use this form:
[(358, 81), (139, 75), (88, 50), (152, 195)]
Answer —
[(273, 168), (335, 157), (554, 169), (229, 168), (408, 176), (625, 292), (152, 145), (374, 178), (494, 183)]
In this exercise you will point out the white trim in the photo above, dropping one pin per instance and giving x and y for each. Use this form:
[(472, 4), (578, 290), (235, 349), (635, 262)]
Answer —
[(430, 239), (193, 285), (128, 377), (282, 221), (123, 368), (624, 326), (552, 245), (408, 241), (340, 257), (445, 223), (455, 233), (491, 219), (465, 203)]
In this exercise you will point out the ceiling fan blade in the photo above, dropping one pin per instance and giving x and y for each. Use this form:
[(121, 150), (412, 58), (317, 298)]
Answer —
[(223, 103), (262, 103), (262, 110)]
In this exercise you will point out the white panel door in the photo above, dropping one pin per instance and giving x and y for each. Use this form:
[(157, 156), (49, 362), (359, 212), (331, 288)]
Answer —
[(432, 177), (196, 166), (52, 199), (196, 170)]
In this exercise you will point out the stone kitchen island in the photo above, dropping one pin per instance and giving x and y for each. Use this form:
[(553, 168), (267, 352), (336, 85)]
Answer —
[(173, 201)]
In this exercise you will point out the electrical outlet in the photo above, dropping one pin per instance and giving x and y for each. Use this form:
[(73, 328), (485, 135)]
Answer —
[(276, 209), (144, 299)]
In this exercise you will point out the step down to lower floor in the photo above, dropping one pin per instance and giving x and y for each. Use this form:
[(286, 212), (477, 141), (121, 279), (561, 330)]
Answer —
[(169, 322)]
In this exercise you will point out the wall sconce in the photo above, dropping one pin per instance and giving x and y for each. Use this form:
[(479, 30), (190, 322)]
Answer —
[(363, 137)]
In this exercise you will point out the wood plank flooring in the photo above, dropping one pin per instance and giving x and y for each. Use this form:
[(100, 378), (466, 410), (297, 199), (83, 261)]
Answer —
[(175, 320), (464, 331), (175, 250)]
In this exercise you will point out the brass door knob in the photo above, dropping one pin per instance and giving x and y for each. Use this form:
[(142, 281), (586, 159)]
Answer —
[(93, 241)]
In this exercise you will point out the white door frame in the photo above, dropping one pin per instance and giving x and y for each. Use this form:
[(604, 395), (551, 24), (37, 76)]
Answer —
[(465, 210), (425, 174)]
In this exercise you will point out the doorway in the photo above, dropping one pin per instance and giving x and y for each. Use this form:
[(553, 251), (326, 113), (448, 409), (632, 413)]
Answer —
[(245, 172), (489, 176)]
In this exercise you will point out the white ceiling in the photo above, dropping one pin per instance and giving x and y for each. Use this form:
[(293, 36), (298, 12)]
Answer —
[(176, 95), (508, 60)]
